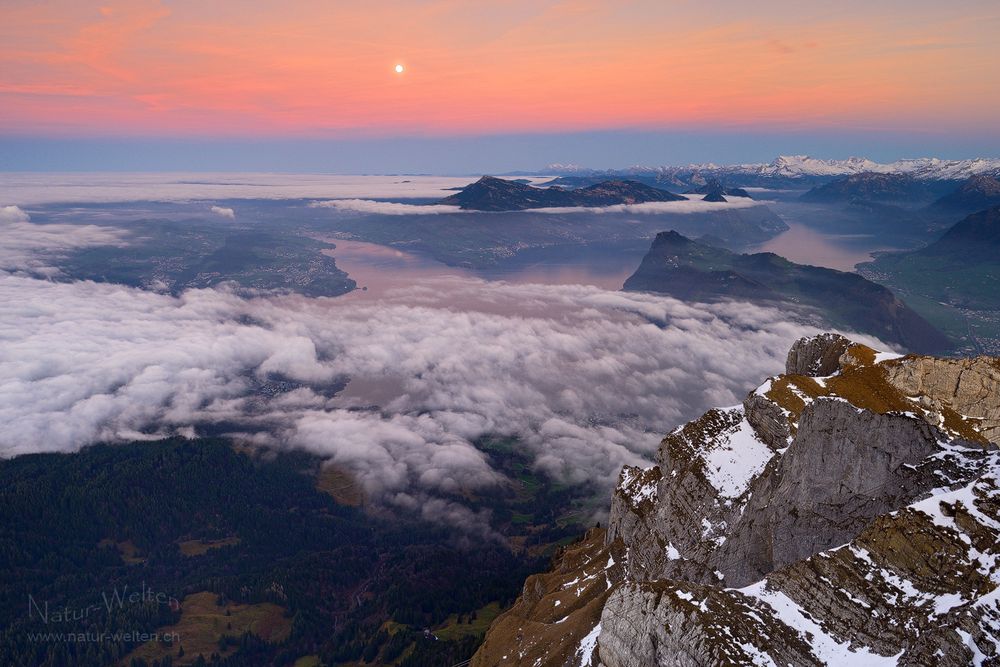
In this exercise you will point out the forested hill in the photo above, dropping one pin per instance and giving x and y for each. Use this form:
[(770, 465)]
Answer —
[(241, 557)]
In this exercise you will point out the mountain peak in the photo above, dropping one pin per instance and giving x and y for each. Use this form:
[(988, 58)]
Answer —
[(807, 525), (796, 167), (689, 270)]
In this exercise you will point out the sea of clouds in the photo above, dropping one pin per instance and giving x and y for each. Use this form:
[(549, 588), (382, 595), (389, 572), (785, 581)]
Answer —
[(588, 388), (27, 247), (588, 379), (361, 194), (32, 189)]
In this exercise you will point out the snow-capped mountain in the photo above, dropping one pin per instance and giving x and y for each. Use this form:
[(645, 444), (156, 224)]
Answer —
[(805, 167)]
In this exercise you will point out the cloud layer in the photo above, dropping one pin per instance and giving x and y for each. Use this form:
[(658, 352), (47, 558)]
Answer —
[(385, 207), (33, 189), (691, 205), (31, 248), (587, 379)]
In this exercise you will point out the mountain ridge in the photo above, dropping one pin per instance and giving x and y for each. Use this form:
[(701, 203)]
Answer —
[(974, 194), (490, 193), (689, 270), (801, 166), (847, 511)]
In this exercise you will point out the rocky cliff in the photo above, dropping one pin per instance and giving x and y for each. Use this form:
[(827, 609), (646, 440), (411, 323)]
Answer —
[(847, 512)]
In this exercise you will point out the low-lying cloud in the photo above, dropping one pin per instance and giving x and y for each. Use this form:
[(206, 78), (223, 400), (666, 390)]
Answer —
[(691, 205), (224, 212), (587, 379), (385, 207), (12, 214), (36, 188), (32, 248)]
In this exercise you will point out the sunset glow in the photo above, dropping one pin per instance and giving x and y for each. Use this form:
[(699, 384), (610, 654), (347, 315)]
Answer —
[(151, 67)]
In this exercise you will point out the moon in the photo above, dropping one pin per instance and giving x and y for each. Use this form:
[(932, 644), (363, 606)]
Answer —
[(399, 69)]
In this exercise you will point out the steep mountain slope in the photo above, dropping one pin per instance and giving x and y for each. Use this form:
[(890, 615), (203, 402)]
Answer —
[(717, 189), (975, 194), (953, 282), (496, 194), (871, 186), (976, 236), (848, 512), (690, 270)]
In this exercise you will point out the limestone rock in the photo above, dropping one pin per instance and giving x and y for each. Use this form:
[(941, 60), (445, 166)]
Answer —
[(816, 356), (848, 512), (969, 387), (768, 419)]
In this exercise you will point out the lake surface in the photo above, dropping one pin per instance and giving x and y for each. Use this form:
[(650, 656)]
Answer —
[(807, 246), (378, 269)]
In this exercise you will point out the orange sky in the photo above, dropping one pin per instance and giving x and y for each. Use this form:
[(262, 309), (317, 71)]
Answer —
[(227, 67)]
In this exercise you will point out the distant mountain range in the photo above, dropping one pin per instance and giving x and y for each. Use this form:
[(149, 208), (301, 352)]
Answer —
[(869, 186), (694, 271), (496, 194), (973, 194), (792, 168)]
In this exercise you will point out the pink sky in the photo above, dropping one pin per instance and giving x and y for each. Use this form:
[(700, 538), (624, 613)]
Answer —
[(320, 68)]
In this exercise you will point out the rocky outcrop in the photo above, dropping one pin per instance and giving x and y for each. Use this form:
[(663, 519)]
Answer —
[(768, 419), (969, 387), (848, 511), (678, 623), (816, 355)]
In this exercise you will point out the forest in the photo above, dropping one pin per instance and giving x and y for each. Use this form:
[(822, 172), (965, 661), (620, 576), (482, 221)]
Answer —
[(118, 542)]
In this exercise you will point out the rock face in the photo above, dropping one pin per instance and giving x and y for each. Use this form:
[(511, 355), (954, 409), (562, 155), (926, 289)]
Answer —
[(816, 356), (847, 512)]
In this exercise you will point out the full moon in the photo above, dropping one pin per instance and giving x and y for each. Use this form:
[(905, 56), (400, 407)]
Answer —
[(399, 69)]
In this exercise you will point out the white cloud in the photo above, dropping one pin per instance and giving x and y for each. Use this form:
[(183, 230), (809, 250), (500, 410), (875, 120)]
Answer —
[(31, 248), (386, 208), (12, 214), (587, 379), (30, 189), (224, 212)]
